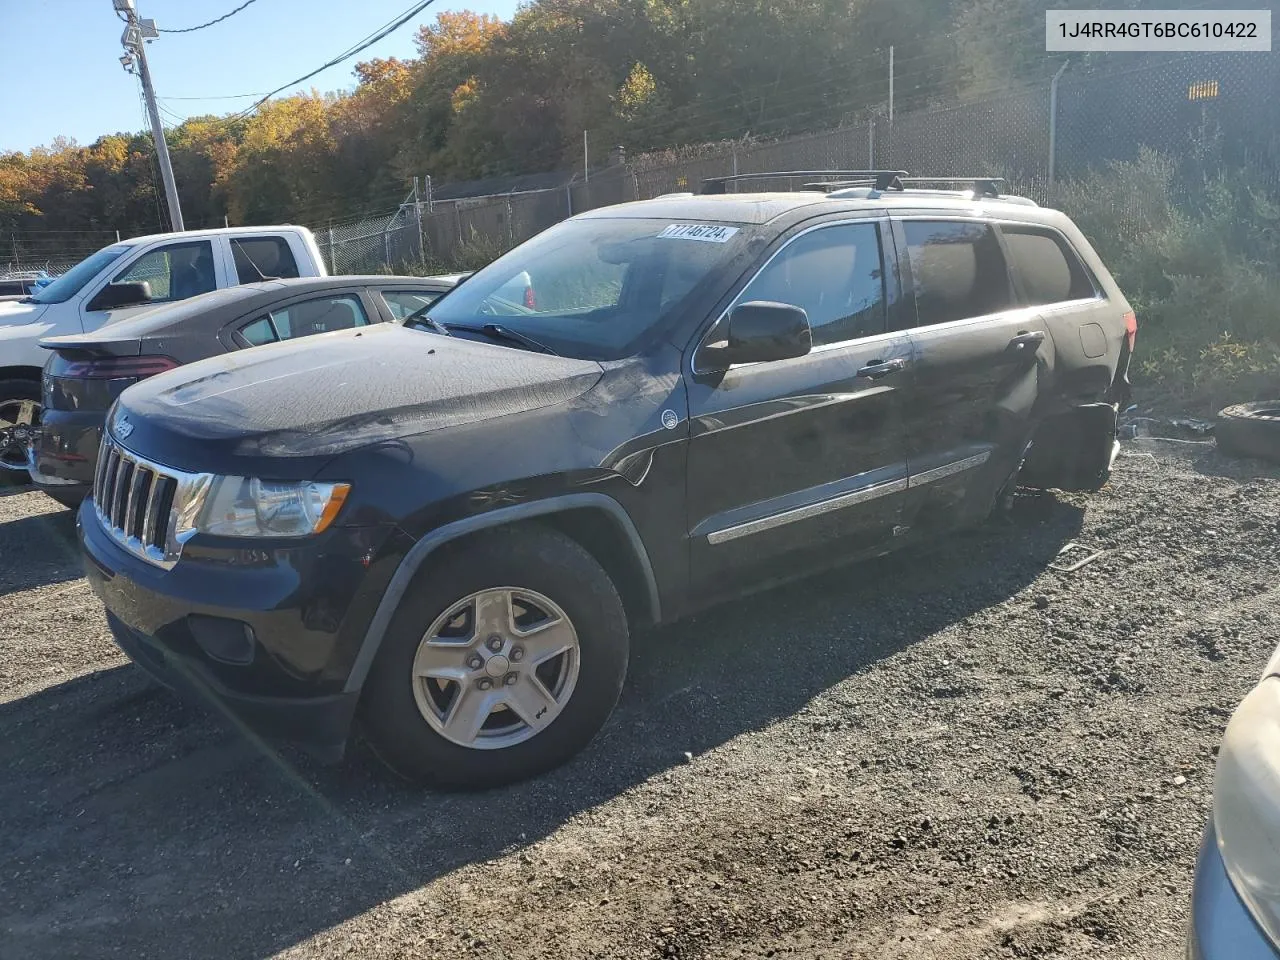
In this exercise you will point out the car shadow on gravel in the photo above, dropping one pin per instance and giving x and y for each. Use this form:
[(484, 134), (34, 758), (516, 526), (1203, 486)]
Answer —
[(132, 825), (39, 550)]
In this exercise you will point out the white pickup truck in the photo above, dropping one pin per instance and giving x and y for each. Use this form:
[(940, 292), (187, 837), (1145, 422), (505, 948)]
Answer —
[(119, 281)]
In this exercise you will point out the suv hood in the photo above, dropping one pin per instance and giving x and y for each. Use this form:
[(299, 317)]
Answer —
[(323, 395), (16, 313)]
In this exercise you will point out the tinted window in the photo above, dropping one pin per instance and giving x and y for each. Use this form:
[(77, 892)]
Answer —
[(957, 270), (69, 284), (835, 274), (259, 257), (403, 303), (1048, 271), (174, 272), (303, 319)]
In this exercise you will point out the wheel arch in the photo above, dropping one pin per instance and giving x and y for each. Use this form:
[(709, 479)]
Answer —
[(21, 372), (596, 521)]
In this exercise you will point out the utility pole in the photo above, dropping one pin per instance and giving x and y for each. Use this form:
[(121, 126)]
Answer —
[(136, 32)]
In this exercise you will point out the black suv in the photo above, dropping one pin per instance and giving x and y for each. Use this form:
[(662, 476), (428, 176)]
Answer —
[(450, 538)]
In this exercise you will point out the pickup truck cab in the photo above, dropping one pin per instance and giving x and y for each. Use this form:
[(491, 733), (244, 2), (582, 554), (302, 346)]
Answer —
[(119, 281)]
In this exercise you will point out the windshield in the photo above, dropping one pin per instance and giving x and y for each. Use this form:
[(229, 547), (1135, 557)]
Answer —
[(591, 288), (69, 284)]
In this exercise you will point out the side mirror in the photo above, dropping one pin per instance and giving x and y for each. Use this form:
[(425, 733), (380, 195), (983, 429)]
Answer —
[(121, 295), (760, 331)]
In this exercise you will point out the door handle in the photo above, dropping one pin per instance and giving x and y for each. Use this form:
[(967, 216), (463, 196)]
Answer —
[(882, 368), (1027, 338)]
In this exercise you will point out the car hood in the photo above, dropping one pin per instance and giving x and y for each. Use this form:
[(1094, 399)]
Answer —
[(324, 395), (16, 313)]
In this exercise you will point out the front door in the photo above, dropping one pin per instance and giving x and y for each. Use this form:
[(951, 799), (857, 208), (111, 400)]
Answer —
[(173, 271), (794, 461), (980, 363)]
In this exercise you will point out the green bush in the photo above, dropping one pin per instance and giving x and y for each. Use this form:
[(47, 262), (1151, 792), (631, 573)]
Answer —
[(1197, 258)]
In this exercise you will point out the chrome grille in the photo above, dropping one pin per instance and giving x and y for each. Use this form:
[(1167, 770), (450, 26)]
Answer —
[(142, 504)]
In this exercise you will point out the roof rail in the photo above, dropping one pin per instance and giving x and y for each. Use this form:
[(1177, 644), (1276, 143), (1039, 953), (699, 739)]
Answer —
[(981, 186), (882, 179)]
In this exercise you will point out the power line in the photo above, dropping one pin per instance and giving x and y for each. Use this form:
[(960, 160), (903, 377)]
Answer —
[(364, 44), (211, 22), (228, 96)]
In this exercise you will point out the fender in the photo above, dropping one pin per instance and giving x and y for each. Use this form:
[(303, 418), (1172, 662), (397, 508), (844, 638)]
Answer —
[(418, 554)]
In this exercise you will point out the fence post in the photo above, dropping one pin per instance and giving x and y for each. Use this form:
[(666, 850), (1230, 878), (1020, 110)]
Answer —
[(417, 216), (511, 230), (333, 265), (386, 243), (734, 150), (568, 198), (871, 142), (1053, 119)]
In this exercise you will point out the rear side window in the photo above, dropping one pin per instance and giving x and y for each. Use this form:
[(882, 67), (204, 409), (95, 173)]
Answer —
[(303, 319), (957, 270), (404, 303), (1047, 269), (259, 257), (835, 274)]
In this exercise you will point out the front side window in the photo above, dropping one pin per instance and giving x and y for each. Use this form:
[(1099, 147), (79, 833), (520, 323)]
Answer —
[(405, 303), (592, 288), (1047, 271), (957, 270), (263, 258), (322, 315), (71, 282), (835, 274), (174, 272)]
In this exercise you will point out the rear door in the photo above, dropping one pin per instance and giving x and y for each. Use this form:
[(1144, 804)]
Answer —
[(794, 461), (302, 316), (981, 362)]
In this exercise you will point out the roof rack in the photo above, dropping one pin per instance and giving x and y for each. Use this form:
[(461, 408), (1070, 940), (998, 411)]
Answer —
[(981, 186), (880, 179)]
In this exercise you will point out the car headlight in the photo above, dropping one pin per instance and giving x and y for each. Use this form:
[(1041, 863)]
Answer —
[(249, 507), (1246, 803)]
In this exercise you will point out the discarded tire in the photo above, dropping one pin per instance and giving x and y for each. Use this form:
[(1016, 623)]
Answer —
[(1250, 430)]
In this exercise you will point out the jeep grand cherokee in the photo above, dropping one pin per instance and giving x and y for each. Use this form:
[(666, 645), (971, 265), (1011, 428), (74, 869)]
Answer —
[(445, 531)]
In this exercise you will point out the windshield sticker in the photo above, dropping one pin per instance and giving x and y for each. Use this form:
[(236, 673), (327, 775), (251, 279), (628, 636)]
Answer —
[(706, 232)]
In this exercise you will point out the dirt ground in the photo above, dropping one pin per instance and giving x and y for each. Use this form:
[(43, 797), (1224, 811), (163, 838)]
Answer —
[(953, 753)]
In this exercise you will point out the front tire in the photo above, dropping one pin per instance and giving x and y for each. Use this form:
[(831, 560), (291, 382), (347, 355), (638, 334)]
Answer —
[(505, 658)]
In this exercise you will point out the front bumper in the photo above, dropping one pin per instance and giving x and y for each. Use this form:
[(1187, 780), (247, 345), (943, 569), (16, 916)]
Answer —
[(267, 635), (1221, 926)]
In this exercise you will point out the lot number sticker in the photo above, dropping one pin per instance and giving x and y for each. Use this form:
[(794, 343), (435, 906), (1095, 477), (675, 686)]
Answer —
[(706, 232)]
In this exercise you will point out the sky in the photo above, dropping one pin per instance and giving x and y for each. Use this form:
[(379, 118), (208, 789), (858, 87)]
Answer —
[(60, 73)]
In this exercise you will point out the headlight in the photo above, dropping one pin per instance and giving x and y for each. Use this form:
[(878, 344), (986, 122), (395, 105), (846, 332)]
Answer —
[(248, 507), (1246, 803)]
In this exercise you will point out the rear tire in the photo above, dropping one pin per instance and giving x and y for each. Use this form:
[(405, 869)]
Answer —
[(409, 713), (12, 394), (1250, 430)]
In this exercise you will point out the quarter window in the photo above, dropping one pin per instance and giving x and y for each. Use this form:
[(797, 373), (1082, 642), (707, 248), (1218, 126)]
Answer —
[(259, 257), (304, 319), (957, 270), (1047, 270), (173, 272), (835, 274), (403, 303)]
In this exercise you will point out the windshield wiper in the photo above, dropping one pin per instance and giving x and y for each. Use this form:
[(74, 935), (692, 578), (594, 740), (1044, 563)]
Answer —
[(419, 318), (496, 331)]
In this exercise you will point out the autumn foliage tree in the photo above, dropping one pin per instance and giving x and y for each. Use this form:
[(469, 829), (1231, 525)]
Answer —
[(485, 97)]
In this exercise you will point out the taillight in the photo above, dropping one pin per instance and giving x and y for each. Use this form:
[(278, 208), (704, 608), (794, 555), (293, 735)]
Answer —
[(115, 368), (1130, 329), (530, 300)]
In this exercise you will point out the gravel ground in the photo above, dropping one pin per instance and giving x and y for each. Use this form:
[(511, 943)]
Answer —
[(953, 753)]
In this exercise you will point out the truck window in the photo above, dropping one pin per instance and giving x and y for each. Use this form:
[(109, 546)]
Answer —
[(174, 271), (1047, 272), (259, 257)]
